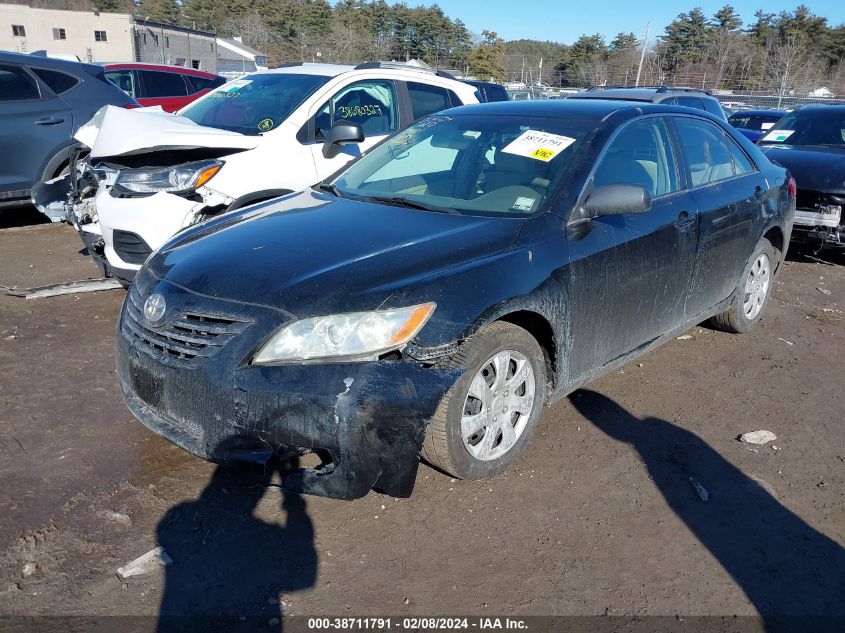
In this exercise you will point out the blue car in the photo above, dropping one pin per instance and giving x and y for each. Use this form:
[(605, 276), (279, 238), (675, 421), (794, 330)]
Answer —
[(753, 124), (43, 102)]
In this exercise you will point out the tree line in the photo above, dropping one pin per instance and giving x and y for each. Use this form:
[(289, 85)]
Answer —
[(791, 51)]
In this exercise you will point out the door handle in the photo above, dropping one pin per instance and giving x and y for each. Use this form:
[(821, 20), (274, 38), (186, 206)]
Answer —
[(49, 120), (684, 220)]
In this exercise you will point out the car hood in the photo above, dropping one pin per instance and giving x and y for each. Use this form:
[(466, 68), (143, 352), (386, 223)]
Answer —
[(117, 131), (312, 254), (814, 168)]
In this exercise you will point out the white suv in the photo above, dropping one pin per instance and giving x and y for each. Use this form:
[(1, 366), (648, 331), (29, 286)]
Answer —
[(150, 174)]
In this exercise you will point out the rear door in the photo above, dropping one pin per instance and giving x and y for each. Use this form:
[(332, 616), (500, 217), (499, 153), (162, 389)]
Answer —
[(165, 89), (730, 193), (630, 273), (34, 125)]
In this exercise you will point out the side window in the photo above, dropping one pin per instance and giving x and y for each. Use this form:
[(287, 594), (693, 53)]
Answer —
[(16, 84), (427, 99), (641, 154), (496, 93), (742, 164), (197, 83), (710, 156), (123, 79), (691, 102), (370, 104), (56, 81), (713, 107), (157, 84)]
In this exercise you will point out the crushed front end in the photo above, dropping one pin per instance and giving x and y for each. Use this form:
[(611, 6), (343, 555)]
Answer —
[(819, 219), (189, 379)]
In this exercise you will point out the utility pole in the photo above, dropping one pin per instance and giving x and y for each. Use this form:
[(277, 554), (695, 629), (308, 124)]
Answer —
[(642, 55)]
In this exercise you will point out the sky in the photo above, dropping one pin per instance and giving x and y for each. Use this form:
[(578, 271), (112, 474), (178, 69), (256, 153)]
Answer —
[(564, 20)]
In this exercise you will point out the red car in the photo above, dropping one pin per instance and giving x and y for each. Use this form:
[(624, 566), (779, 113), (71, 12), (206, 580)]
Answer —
[(170, 87)]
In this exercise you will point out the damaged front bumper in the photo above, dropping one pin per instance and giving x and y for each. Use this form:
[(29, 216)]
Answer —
[(367, 421)]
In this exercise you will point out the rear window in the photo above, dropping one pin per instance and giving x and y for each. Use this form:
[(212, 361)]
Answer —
[(690, 102), (753, 121), (56, 81), (195, 84), (495, 93), (253, 104), (427, 99), (159, 84)]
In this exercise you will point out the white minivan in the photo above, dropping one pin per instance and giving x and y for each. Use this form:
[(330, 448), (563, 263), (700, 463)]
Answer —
[(149, 174)]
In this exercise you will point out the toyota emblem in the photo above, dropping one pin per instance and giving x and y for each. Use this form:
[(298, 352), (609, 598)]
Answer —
[(154, 308)]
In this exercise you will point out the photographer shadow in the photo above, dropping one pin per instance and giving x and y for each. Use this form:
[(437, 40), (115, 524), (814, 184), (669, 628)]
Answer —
[(786, 568), (230, 567)]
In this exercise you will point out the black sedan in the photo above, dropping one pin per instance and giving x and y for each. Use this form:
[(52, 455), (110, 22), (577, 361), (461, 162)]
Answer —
[(435, 295), (810, 142)]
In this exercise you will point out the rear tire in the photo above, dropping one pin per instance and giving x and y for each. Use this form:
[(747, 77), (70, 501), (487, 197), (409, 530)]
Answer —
[(752, 292), (486, 419)]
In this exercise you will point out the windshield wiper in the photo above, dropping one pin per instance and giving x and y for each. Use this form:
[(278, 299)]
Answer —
[(411, 204), (330, 188)]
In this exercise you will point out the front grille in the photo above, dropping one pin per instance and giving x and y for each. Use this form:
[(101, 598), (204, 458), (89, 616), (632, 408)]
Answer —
[(130, 247), (185, 339)]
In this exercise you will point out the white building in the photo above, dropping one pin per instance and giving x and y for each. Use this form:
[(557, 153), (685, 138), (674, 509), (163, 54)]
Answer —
[(89, 35), (234, 58)]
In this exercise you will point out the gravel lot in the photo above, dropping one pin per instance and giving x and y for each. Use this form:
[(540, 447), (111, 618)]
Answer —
[(598, 517)]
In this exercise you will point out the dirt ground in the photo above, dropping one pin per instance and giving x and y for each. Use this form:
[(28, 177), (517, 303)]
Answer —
[(600, 515)]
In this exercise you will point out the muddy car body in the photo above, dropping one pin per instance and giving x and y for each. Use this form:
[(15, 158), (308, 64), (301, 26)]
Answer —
[(444, 288), (151, 174)]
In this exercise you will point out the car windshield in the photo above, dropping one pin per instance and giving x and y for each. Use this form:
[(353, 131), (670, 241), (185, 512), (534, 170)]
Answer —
[(253, 104), (469, 164), (816, 126)]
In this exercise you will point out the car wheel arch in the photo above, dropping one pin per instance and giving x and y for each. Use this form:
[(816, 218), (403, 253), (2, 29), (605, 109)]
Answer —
[(535, 323), (58, 160), (774, 235)]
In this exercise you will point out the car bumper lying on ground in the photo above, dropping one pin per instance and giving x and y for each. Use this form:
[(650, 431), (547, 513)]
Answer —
[(367, 420)]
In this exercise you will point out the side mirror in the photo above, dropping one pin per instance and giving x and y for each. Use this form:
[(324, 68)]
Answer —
[(340, 134), (617, 199)]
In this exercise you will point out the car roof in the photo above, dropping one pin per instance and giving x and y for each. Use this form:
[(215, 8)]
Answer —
[(637, 94), (820, 106), (59, 64), (334, 70), (597, 109), (760, 111), (165, 67)]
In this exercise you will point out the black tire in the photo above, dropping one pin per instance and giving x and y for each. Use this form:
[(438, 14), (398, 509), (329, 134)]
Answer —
[(444, 446), (734, 319)]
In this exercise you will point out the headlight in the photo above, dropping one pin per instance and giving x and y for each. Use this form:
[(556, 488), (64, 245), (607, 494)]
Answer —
[(178, 179), (353, 336)]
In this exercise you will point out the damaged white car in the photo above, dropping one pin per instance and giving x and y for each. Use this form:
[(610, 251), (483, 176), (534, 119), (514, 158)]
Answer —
[(149, 174)]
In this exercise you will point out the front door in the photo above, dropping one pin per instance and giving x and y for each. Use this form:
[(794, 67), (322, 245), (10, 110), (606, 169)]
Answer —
[(372, 104), (629, 273)]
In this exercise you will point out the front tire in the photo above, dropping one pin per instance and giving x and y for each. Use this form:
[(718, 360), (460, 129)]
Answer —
[(752, 292), (485, 420)]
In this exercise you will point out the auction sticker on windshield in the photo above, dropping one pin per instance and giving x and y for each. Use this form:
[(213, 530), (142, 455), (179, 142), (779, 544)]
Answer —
[(538, 145), (236, 85), (778, 136)]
